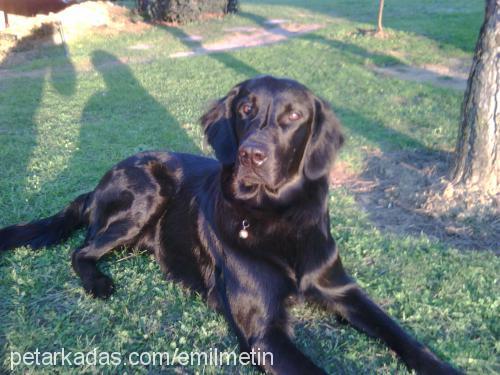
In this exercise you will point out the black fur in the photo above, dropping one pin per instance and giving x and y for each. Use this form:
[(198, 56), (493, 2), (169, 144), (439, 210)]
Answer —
[(275, 142)]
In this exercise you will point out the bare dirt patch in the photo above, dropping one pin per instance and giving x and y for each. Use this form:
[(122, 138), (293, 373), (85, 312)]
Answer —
[(78, 19), (26, 35), (245, 37), (409, 193), (453, 74)]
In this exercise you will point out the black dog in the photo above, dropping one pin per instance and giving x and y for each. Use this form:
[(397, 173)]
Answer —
[(249, 232)]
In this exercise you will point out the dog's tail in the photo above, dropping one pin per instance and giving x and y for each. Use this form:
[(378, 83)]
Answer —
[(47, 231)]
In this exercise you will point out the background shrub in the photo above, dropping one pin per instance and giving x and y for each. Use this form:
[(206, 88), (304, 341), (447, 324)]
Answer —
[(182, 11)]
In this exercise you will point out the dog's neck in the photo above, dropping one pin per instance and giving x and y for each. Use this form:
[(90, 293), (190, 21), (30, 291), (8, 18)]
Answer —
[(306, 206), (299, 193)]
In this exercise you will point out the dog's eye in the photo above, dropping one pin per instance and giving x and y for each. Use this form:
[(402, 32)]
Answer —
[(294, 116), (247, 108)]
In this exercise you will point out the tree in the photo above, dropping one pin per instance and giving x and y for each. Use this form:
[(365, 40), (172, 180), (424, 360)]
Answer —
[(477, 164), (380, 28)]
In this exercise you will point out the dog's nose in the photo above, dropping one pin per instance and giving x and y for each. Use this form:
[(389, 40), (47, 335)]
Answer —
[(252, 153)]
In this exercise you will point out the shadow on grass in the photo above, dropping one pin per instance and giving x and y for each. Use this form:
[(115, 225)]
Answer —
[(441, 21), (228, 60), (21, 125), (374, 131), (121, 119)]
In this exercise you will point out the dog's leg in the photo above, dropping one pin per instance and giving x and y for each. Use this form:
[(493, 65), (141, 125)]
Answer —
[(84, 259), (334, 289), (257, 315)]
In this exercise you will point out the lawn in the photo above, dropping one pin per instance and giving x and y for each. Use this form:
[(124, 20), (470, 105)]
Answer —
[(66, 119)]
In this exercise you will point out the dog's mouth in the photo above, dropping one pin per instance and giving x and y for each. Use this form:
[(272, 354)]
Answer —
[(248, 193), (249, 184), (252, 184), (247, 181)]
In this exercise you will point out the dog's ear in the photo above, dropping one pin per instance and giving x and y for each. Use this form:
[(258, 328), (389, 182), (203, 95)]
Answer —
[(324, 141), (217, 123)]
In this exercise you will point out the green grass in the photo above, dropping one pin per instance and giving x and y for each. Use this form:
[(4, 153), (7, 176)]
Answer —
[(62, 128)]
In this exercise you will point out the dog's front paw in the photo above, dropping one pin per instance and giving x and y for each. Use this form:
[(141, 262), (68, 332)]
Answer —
[(99, 287)]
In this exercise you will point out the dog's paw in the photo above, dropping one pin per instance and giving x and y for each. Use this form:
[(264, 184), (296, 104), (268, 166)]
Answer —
[(100, 287)]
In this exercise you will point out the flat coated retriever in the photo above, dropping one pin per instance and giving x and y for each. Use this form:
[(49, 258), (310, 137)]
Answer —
[(250, 232)]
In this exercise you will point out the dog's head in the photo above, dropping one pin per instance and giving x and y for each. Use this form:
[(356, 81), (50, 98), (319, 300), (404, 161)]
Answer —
[(274, 134)]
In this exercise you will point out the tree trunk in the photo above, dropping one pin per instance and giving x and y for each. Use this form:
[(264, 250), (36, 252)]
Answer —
[(477, 165), (380, 28)]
